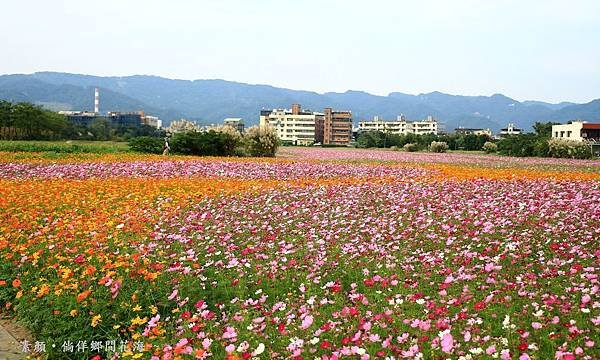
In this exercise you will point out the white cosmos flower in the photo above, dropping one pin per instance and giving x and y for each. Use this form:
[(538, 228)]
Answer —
[(259, 349)]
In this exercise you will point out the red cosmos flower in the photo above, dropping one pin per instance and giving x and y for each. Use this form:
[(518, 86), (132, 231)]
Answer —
[(480, 305), (80, 259), (246, 355), (369, 282), (381, 353), (96, 357), (281, 327), (423, 338), (336, 287), (441, 324), (353, 311), (523, 346), (235, 282), (325, 345), (186, 315)]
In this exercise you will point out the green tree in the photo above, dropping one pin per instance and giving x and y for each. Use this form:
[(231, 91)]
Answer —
[(544, 129)]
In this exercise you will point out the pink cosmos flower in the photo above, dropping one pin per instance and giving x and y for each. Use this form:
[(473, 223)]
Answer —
[(306, 322), (447, 343), (229, 333)]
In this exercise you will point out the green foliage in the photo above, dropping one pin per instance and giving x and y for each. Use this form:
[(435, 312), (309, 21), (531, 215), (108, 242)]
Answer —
[(61, 147), (261, 141), (518, 145), (489, 147), (438, 147), (210, 143), (378, 139), (147, 144), (25, 121), (562, 148), (544, 129), (535, 144)]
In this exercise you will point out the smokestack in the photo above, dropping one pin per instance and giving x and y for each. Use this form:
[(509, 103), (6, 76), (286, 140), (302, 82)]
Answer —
[(96, 101)]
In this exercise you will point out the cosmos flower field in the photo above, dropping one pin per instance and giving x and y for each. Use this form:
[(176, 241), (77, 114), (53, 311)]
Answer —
[(316, 254)]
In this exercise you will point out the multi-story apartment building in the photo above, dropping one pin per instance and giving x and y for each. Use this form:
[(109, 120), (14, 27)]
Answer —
[(334, 127), (400, 126), (422, 127), (397, 126), (305, 127), (295, 126)]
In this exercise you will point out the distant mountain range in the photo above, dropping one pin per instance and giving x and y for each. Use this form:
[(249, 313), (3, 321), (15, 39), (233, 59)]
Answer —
[(210, 101)]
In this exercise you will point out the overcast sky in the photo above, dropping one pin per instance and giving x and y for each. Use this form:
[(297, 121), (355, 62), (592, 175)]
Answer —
[(543, 50)]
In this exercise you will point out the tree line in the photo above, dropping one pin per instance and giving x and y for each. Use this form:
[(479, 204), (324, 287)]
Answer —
[(26, 121), (380, 139), (538, 143)]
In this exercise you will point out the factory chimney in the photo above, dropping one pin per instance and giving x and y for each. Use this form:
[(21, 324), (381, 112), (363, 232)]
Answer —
[(96, 101)]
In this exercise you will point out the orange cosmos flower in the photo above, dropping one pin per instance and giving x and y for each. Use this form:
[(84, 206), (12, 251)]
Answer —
[(82, 296)]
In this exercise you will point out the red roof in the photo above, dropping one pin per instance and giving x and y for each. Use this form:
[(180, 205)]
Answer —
[(591, 126)]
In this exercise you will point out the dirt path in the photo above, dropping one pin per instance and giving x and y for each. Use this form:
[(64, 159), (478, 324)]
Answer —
[(11, 336)]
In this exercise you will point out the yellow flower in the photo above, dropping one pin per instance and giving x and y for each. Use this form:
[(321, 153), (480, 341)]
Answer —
[(96, 319), (73, 312), (138, 321), (137, 308), (153, 309)]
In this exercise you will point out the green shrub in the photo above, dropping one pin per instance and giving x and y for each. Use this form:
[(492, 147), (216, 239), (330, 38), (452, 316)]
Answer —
[(541, 147), (438, 147), (561, 148), (210, 143), (489, 147), (261, 141), (147, 144), (410, 147)]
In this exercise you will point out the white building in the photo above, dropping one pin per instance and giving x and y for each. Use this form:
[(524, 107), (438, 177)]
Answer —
[(397, 126), (577, 130), (400, 126), (293, 126), (153, 121), (510, 130), (422, 127)]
